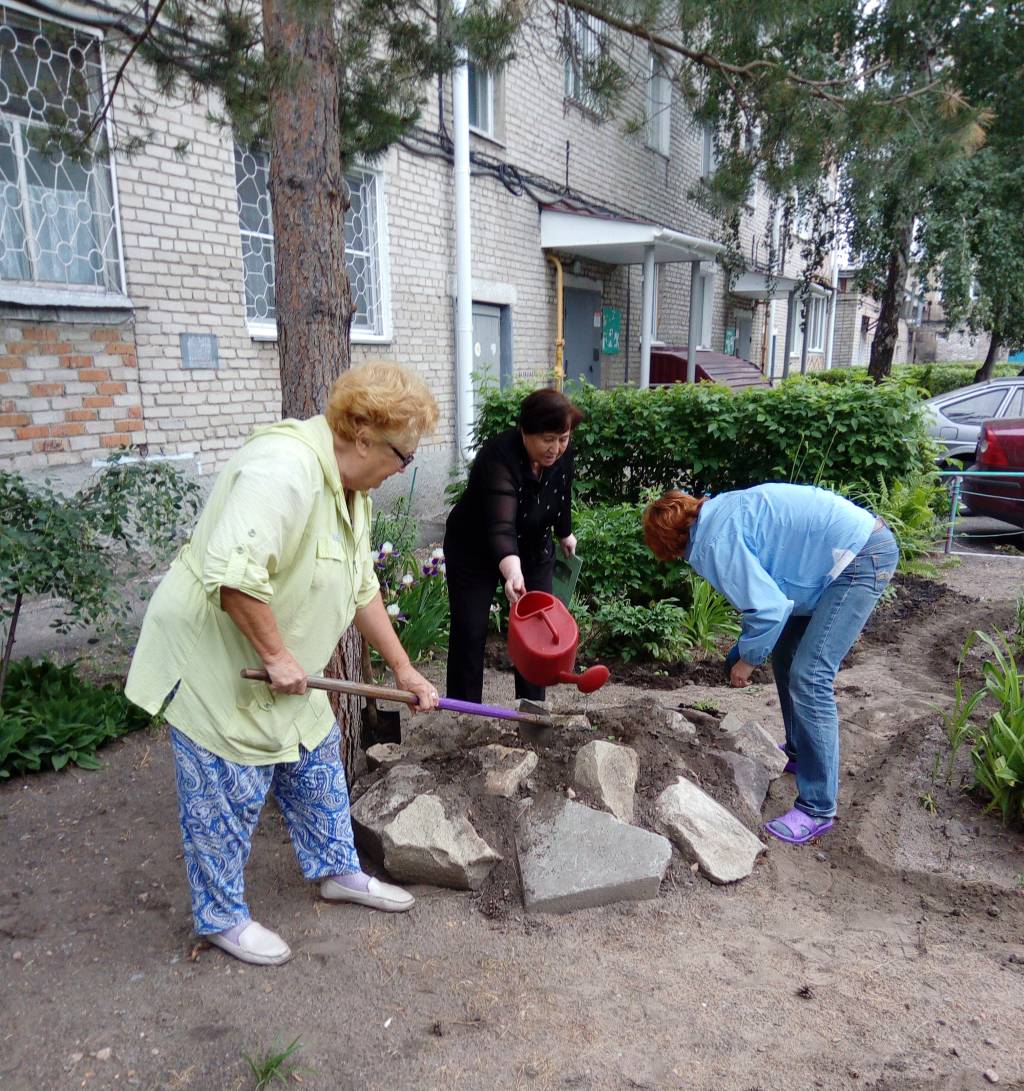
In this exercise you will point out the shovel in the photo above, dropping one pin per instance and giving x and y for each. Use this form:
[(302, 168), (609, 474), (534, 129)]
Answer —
[(405, 697)]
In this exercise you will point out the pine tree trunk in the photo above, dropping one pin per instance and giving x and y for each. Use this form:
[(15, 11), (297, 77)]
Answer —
[(985, 371), (887, 328), (309, 199)]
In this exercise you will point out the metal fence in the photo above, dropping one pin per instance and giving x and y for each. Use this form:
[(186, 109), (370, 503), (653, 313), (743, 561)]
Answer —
[(960, 490)]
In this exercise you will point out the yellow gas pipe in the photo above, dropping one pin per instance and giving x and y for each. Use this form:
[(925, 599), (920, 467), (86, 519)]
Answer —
[(559, 331)]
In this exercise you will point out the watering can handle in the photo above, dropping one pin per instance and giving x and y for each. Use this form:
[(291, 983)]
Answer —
[(547, 621)]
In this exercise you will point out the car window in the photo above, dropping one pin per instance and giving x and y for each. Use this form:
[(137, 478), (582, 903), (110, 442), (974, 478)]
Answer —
[(976, 407), (1015, 406)]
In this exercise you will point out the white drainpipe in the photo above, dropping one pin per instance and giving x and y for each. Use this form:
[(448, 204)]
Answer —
[(464, 408), (832, 308), (646, 318)]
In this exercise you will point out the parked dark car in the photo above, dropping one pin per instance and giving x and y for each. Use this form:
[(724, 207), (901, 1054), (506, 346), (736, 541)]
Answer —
[(1000, 450)]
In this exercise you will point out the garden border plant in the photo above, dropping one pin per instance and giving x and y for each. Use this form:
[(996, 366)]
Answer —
[(82, 551)]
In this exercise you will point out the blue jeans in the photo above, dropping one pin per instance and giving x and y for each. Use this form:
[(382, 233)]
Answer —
[(806, 660)]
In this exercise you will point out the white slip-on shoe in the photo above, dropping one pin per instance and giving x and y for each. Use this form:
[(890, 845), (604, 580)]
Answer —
[(255, 944), (385, 896)]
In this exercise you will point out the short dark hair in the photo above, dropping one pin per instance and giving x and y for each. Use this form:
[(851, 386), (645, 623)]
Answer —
[(548, 410)]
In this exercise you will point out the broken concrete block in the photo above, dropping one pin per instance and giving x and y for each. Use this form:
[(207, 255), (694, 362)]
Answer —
[(384, 754), (750, 777), (706, 832), (608, 772), (379, 804), (573, 857), (422, 844), (505, 769), (749, 738)]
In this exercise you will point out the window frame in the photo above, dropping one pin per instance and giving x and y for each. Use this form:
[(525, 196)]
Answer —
[(266, 330), (491, 131), (588, 45), (817, 311), (45, 294), (658, 135), (708, 155)]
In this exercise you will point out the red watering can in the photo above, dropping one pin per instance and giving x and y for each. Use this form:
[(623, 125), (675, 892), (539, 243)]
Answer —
[(542, 639)]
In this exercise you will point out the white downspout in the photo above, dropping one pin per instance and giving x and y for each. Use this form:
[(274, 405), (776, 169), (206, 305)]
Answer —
[(646, 318), (833, 307), (464, 408), (770, 334), (694, 323)]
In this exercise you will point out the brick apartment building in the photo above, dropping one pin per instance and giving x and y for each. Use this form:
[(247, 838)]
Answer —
[(137, 293)]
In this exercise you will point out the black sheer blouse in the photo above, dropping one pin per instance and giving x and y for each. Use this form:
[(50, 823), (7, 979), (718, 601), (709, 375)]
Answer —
[(505, 509)]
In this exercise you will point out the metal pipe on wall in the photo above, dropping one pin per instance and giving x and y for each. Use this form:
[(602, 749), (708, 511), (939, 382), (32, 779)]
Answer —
[(559, 320), (833, 304), (464, 409), (694, 319), (646, 318)]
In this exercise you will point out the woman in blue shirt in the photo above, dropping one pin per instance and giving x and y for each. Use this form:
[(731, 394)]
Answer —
[(804, 567)]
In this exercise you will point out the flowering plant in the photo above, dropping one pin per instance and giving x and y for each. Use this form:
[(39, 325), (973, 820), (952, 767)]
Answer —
[(414, 590)]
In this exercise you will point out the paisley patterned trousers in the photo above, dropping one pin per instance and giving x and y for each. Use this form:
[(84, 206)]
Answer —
[(219, 804)]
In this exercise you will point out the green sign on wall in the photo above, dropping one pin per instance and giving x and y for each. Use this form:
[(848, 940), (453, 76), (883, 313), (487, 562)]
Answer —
[(611, 326)]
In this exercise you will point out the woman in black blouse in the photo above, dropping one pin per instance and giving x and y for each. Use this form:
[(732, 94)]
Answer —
[(520, 488)]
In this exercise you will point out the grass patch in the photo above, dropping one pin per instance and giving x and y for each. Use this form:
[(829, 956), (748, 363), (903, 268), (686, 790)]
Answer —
[(273, 1066)]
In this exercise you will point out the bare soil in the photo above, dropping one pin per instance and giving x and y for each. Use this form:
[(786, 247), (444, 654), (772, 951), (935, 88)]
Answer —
[(888, 956)]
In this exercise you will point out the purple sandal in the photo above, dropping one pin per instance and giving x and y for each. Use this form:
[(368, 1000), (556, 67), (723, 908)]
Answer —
[(796, 828), (790, 762)]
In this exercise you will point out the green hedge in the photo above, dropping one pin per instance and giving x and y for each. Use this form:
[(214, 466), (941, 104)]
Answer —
[(706, 437), (932, 379)]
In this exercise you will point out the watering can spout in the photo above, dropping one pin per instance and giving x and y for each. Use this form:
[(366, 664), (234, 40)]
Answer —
[(592, 679)]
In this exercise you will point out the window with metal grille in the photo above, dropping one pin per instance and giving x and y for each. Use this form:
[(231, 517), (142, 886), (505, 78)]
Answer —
[(584, 44), (58, 216), (365, 248)]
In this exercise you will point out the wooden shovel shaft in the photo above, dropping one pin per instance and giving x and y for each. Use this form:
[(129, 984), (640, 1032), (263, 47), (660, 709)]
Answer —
[(404, 696)]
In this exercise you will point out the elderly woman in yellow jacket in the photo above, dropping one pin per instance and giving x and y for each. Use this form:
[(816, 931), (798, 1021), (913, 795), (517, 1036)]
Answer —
[(278, 566)]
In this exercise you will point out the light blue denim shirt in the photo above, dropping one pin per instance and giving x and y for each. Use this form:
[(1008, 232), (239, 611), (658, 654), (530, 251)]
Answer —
[(772, 550)]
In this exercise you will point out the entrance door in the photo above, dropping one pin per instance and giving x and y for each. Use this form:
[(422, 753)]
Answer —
[(582, 335), (487, 357), (744, 331)]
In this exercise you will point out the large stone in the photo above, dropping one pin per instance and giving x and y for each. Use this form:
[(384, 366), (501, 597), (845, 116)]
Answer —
[(572, 857), (608, 772), (384, 754), (505, 769), (423, 845), (679, 726), (380, 803), (750, 778), (749, 738), (706, 832)]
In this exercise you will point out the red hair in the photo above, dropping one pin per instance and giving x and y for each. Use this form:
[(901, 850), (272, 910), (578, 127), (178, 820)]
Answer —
[(667, 524)]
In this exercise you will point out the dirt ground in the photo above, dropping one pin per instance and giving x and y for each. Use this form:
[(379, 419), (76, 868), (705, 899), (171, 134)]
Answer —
[(888, 956)]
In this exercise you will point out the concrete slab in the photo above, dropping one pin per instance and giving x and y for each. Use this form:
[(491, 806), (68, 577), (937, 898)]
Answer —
[(571, 857)]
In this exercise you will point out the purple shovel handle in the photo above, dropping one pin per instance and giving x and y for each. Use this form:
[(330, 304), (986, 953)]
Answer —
[(499, 713)]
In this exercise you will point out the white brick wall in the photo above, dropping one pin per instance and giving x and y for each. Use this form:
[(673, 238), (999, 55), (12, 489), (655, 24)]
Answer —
[(183, 262)]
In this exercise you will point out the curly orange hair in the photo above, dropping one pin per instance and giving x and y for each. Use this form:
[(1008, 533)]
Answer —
[(390, 400), (667, 523)]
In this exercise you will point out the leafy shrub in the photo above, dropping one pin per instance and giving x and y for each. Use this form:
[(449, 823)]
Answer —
[(50, 717), (657, 631), (617, 562), (705, 437), (929, 379), (82, 550), (912, 508), (997, 744)]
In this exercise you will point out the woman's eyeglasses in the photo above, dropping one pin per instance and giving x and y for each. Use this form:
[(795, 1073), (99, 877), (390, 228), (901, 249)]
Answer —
[(405, 460)]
